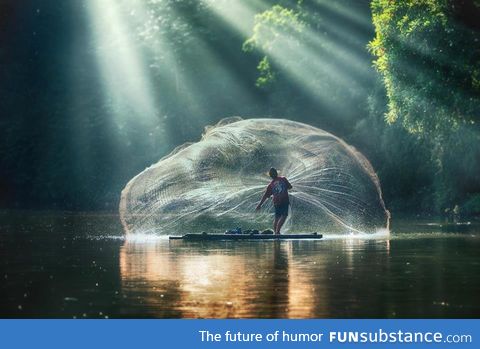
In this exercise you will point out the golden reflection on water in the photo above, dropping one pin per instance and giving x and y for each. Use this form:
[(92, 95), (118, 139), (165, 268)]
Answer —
[(279, 279)]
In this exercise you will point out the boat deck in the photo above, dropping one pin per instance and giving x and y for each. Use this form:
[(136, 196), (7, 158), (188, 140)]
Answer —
[(225, 237)]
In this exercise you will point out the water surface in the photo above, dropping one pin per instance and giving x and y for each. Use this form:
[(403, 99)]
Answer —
[(66, 265)]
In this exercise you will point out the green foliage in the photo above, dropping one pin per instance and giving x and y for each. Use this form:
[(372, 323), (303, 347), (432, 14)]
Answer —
[(267, 75), (309, 59), (428, 55), (430, 64), (273, 24), (310, 54), (273, 28)]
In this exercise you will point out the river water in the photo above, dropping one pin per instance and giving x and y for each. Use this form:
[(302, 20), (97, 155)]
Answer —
[(65, 265)]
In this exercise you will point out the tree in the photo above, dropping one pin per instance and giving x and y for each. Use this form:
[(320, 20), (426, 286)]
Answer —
[(430, 63), (427, 52)]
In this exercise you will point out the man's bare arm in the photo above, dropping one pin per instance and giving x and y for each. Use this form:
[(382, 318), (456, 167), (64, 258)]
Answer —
[(264, 197)]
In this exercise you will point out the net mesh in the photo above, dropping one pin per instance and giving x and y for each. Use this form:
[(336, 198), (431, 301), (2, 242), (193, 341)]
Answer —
[(215, 184)]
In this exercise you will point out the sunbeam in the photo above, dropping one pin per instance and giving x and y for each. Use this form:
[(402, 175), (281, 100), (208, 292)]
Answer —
[(122, 68), (301, 53)]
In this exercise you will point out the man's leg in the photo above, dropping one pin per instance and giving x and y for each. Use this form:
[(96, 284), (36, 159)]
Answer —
[(280, 222), (275, 223)]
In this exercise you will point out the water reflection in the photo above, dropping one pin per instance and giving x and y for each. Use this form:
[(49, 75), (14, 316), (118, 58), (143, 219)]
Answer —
[(74, 265), (280, 279)]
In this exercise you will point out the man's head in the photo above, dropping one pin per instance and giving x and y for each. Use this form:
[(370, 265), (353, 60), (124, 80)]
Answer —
[(273, 173)]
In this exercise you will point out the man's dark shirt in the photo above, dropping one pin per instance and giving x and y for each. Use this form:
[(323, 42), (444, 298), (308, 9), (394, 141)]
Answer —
[(279, 189)]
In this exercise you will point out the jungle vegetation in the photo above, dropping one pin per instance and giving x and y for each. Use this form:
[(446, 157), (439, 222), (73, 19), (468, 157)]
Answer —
[(92, 95)]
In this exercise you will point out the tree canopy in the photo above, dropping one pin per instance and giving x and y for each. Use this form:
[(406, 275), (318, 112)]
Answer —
[(430, 63)]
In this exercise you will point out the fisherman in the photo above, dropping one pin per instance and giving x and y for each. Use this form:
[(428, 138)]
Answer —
[(278, 187)]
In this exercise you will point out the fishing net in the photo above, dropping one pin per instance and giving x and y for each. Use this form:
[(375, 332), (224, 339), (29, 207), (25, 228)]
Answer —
[(215, 184)]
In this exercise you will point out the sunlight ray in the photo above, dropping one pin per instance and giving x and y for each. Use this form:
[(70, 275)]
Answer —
[(308, 56), (343, 10), (125, 77)]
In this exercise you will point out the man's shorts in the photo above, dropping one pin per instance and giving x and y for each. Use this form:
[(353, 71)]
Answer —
[(281, 210)]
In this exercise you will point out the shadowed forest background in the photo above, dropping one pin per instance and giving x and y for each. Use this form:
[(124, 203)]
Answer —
[(92, 92)]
